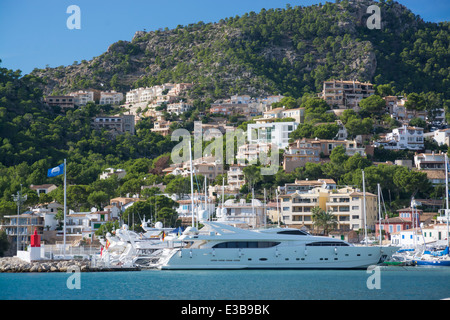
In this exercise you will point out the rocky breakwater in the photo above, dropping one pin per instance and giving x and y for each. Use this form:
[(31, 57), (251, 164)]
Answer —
[(18, 265)]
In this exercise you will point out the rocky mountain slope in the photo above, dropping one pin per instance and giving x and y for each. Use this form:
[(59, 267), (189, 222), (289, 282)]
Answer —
[(287, 51)]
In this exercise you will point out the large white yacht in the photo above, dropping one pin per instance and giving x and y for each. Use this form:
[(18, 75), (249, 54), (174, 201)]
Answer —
[(222, 246)]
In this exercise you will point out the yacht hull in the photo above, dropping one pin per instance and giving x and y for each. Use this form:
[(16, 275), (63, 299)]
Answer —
[(277, 258), (436, 263)]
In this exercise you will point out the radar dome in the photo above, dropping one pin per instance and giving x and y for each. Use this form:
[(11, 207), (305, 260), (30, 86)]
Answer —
[(203, 215)]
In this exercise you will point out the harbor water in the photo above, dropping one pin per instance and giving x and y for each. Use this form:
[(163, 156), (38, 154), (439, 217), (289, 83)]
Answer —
[(387, 283)]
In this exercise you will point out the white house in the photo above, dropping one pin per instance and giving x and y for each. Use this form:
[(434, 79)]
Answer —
[(405, 137), (81, 97), (429, 161), (178, 108), (185, 206), (235, 176), (43, 188), (252, 213), (275, 133), (251, 152), (442, 136), (111, 97), (244, 99), (120, 173), (279, 113), (432, 235)]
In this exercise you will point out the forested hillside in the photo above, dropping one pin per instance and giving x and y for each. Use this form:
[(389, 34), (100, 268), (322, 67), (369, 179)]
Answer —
[(289, 51), (286, 51)]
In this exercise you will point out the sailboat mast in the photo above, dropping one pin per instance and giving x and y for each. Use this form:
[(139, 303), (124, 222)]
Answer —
[(278, 210), (192, 183), (264, 211), (446, 199), (379, 213), (364, 207)]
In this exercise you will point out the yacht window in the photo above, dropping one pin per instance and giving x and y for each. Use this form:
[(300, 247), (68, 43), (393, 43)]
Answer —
[(294, 232), (246, 244), (328, 244)]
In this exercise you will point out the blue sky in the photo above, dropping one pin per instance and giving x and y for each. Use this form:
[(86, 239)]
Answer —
[(34, 33)]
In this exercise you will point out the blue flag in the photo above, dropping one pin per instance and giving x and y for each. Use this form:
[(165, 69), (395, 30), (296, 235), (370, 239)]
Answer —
[(56, 171)]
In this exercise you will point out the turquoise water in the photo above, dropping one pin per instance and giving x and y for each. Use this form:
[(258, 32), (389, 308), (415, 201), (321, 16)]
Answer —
[(395, 283)]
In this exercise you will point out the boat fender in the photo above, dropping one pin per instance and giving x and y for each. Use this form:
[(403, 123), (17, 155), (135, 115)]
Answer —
[(213, 253), (190, 253), (335, 250), (276, 253), (306, 252), (240, 252)]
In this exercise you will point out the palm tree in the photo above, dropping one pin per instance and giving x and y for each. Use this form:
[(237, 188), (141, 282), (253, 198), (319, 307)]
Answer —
[(324, 219)]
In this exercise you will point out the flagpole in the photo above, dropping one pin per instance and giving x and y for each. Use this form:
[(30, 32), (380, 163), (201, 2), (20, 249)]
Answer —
[(65, 206)]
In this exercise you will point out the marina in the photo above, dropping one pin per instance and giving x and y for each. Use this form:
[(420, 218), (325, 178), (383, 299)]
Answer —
[(396, 283)]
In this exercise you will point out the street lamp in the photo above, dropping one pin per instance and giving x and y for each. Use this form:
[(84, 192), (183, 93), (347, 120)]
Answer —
[(18, 199)]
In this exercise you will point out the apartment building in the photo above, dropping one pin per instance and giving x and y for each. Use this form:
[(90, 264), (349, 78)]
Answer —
[(161, 93), (161, 126), (208, 167), (300, 153), (111, 97), (316, 150), (280, 113), (251, 152), (429, 161), (395, 105), (179, 107), (81, 97), (405, 137), (24, 224), (345, 94), (345, 203), (64, 102), (235, 176), (273, 133), (306, 185), (230, 109), (119, 124), (433, 164)]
